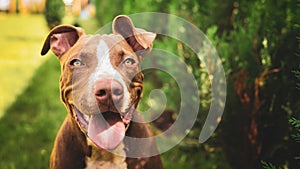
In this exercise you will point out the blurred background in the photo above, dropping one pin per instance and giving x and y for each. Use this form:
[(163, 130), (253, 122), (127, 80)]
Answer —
[(258, 42)]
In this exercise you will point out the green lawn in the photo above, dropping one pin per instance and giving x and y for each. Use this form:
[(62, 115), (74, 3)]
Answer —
[(25, 128), (28, 127), (21, 37)]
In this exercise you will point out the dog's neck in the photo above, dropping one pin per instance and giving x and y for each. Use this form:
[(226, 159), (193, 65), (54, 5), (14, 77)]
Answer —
[(105, 159)]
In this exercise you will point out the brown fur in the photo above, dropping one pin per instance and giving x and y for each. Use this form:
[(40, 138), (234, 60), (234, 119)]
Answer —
[(71, 148)]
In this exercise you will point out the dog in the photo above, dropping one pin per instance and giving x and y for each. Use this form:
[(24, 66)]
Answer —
[(101, 85)]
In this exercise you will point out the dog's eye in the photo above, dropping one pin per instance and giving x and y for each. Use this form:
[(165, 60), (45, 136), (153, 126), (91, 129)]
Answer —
[(129, 61), (75, 62)]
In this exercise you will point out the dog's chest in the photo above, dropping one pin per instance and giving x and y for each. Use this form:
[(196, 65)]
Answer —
[(105, 165), (107, 160)]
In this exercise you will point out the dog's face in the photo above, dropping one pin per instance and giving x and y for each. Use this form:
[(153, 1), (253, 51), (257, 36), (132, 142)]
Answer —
[(101, 83)]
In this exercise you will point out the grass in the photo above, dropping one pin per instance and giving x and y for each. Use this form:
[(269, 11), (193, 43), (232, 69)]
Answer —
[(30, 110), (29, 126), (20, 41)]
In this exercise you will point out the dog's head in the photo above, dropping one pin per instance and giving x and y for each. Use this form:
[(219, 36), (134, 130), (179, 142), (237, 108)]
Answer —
[(101, 81)]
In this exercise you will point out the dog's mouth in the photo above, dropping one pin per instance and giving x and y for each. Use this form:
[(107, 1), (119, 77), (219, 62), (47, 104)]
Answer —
[(106, 130)]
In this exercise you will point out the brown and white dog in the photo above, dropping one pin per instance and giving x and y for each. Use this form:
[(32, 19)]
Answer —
[(101, 84)]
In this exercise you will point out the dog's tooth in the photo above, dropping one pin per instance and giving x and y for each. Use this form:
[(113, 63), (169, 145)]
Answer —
[(87, 118)]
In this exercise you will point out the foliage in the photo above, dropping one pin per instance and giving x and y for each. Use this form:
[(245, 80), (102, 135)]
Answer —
[(296, 124), (259, 67), (104, 11), (267, 165), (294, 121), (54, 12), (297, 74)]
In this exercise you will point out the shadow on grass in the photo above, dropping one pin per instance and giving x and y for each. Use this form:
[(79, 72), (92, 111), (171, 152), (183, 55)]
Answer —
[(29, 126)]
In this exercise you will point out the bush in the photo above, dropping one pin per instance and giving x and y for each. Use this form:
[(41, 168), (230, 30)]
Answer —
[(54, 12)]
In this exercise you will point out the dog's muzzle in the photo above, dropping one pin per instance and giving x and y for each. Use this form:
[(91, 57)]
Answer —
[(107, 127)]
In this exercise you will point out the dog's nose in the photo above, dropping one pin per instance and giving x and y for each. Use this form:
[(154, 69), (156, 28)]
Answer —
[(107, 90)]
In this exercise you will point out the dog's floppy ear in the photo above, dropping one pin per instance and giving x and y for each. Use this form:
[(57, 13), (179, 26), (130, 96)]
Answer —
[(61, 39), (139, 39)]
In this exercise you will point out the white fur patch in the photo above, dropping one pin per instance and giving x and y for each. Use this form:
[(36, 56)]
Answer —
[(105, 70), (107, 160)]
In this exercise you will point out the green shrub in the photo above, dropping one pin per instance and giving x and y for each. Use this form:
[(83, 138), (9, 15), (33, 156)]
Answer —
[(54, 12)]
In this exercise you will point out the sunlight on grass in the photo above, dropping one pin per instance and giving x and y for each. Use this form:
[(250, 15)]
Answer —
[(21, 39)]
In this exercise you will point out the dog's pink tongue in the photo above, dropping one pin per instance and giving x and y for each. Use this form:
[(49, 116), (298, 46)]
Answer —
[(106, 134)]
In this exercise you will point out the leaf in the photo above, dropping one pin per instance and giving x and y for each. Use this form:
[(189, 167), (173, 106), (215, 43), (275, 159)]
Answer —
[(295, 122), (296, 137), (267, 165)]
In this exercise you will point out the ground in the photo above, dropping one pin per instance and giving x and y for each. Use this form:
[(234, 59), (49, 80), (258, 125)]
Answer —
[(20, 41)]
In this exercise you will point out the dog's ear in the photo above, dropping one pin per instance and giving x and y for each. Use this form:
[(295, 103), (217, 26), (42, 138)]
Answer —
[(61, 39), (139, 39)]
